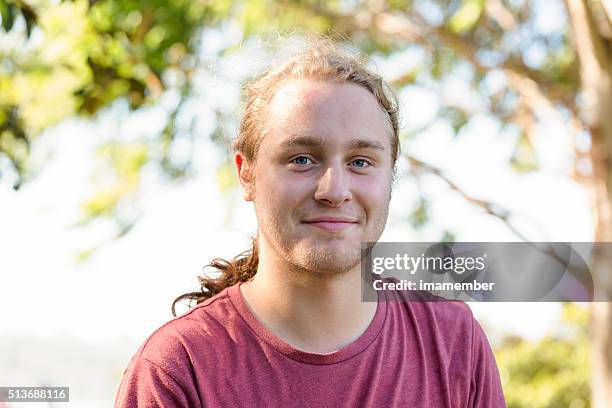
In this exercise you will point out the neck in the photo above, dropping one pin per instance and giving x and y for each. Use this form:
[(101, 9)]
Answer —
[(313, 312)]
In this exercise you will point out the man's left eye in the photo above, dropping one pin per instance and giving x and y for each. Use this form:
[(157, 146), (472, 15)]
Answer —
[(361, 163)]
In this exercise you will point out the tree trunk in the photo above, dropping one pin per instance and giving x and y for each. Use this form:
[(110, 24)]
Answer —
[(596, 84)]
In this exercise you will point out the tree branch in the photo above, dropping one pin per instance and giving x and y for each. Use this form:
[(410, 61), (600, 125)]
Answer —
[(489, 207), (596, 83), (503, 215), (513, 66)]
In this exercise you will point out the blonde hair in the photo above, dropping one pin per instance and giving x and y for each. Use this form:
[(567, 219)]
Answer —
[(322, 60)]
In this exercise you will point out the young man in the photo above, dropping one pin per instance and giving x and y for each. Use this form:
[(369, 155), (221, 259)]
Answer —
[(285, 325)]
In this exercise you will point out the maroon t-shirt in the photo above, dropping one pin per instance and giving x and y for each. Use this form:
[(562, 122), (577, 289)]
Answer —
[(413, 354)]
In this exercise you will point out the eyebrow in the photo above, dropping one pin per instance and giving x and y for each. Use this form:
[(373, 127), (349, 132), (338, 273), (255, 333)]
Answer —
[(312, 141)]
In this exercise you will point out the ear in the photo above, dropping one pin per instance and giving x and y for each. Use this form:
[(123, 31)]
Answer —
[(245, 176)]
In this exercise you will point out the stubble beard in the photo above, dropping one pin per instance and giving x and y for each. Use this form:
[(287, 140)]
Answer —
[(318, 257), (323, 260)]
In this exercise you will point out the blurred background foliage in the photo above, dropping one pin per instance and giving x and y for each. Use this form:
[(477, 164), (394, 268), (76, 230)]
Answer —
[(66, 59), (555, 371)]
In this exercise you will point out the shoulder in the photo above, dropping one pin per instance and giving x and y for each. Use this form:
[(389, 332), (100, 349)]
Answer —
[(446, 314), (449, 324), (454, 339), (174, 345), (171, 365)]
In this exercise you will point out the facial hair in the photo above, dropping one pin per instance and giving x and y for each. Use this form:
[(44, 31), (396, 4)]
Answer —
[(316, 257)]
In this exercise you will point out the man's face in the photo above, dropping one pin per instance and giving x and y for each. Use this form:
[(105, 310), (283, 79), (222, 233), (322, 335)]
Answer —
[(322, 178)]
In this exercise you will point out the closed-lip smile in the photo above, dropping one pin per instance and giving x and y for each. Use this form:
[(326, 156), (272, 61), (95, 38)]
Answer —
[(331, 219), (331, 224)]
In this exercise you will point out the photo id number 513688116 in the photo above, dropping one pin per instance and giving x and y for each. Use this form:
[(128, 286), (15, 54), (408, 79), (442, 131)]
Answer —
[(34, 394)]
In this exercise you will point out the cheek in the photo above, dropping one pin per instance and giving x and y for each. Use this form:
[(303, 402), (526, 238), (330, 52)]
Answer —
[(279, 171), (278, 191), (374, 192)]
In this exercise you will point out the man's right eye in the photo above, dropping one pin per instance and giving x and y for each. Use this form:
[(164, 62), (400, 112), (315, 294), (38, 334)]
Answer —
[(301, 160)]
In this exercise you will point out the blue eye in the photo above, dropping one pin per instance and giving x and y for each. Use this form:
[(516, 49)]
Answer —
[(301, 160), (363, 163)]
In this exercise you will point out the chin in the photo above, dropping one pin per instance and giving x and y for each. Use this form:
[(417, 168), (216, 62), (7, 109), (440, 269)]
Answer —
[(329, 260)]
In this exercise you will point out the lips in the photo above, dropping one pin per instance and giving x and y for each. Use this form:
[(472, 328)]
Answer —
[(331, 219), (331, 224)]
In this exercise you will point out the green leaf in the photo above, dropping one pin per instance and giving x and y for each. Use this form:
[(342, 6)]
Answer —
[(466, 16), (420, 214), (30, 19), (458, 118), (7, 11), (407, 78), (448, 237), (524, 157), (226, 177)]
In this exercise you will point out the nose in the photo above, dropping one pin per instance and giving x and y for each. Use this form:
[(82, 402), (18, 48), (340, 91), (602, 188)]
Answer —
[(333, 188)]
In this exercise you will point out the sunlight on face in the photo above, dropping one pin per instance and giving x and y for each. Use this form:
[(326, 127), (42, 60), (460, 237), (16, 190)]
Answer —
[(323, 175)]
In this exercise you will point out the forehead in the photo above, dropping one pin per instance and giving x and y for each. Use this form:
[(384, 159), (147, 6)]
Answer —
[(334, 112)]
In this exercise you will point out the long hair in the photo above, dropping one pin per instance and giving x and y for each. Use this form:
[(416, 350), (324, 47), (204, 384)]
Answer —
[(321, 60)]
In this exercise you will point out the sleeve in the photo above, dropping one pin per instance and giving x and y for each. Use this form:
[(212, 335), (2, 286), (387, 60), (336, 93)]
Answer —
[(485, 388), (144, 384)]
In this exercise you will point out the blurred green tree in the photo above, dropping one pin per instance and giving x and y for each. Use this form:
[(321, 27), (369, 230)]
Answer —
[(553, 372)]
